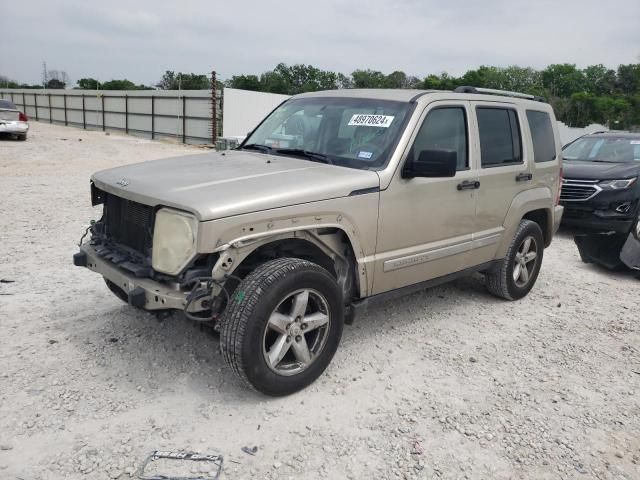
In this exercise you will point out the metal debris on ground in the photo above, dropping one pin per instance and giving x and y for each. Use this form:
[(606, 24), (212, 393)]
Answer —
[(190, 465), (250, 451)]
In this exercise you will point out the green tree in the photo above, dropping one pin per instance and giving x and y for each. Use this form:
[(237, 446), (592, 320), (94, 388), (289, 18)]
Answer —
[(183, 81), (599, 80), (88, 84), (54, 83), (368, 79), (245, 82), (274, 82), (628, 79), (562, 80)]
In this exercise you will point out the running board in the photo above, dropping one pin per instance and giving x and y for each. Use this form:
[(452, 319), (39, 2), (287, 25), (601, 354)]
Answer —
[(360, 307)]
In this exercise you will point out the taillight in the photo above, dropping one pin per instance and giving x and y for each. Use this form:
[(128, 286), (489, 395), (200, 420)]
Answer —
[(559, 188), (22, 117)]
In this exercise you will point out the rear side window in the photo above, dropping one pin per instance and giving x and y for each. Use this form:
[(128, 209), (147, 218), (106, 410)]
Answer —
[(499, 136), (445, 128), (544, 145)]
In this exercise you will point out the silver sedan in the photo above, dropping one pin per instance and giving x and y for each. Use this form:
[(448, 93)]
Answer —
[(13, 121)]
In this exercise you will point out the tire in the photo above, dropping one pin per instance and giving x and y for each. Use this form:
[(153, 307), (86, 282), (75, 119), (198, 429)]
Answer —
[(508, 280), (117, 291), (22, 137), (280, 309)]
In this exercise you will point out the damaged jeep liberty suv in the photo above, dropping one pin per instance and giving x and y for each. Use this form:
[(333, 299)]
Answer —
[(335, 201)]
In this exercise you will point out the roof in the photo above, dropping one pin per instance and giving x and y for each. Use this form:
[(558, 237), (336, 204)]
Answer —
[(399, 95), (407, 95)]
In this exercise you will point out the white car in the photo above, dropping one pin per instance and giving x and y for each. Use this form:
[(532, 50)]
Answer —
[(13, 121)]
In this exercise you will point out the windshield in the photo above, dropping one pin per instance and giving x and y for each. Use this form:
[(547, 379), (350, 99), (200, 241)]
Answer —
[(351, 132), (604, 149)]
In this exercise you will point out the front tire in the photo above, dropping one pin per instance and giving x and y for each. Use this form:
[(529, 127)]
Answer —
[(516, 274), (22, 137), (282, 326)]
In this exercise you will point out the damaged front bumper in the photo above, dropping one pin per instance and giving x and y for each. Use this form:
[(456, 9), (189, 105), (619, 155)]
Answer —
[(144, 293), (630, 254), (611, 250)]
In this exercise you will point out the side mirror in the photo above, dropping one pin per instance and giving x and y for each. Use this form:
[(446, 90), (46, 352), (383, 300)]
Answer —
[(432, 163)]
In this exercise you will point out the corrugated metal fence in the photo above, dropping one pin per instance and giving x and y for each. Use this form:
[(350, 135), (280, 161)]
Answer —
[(185, 115)]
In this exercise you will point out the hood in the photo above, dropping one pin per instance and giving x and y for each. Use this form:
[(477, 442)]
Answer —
[(586, 170), (215, 185)]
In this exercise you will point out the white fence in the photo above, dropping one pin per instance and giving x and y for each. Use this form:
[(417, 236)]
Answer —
[(243, 110), (185, 115), (569, 134)]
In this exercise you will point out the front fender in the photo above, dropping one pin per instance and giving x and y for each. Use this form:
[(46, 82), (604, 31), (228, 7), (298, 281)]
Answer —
[(245, 233)]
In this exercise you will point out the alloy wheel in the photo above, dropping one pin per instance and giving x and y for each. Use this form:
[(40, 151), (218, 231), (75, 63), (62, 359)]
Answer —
[(296, 332), (525, 261)]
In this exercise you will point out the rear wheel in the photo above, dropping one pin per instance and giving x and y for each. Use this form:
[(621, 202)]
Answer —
[(516, 274), (282, 326)]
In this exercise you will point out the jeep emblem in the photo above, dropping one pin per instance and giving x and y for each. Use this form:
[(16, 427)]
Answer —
[(123, 182)]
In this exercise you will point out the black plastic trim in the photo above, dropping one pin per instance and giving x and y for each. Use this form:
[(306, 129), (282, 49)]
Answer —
[(137, 297), (365, 191), (80, 259), (360, 306)]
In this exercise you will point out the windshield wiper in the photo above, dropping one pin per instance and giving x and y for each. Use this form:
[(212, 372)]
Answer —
[(319, 157), (257, 146)]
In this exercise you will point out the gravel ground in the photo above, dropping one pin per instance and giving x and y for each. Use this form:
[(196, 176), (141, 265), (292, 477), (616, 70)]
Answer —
[(446, 383)]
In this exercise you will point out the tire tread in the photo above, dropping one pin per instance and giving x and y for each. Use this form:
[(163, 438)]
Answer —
[(238, 314), (497, 282)]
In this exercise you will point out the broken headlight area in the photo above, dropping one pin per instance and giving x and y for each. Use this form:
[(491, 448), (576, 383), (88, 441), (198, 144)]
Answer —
[(124, 257)]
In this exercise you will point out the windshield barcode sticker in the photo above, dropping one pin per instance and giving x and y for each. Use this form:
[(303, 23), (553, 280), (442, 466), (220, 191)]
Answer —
[(363, 120), (635, 142)]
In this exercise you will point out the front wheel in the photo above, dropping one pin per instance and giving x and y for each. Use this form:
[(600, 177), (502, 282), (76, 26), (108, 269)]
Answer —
[(282, 325), (516, 274)]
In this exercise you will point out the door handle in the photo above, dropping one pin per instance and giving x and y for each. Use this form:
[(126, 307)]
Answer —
[(523, 177), (469, 185)]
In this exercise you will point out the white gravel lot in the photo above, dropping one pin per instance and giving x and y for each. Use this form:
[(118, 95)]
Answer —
[(446, 383)]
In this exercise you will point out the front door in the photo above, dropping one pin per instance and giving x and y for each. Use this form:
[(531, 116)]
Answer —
[(426, 224)]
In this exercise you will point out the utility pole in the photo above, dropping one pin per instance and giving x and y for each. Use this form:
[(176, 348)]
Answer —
[(214, 108), (45, 80)]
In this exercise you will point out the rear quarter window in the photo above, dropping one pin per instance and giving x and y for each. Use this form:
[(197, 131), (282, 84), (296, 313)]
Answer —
[(544, 145)]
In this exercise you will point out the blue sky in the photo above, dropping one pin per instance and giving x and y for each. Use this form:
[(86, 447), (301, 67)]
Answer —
[(139, 40)]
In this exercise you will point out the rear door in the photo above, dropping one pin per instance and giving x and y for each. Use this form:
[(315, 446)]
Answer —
[(504, 171)]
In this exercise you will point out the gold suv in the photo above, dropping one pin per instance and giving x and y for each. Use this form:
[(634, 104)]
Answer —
[(336, 201)]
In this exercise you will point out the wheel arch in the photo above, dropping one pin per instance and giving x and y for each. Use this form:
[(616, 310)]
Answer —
[(329, 247), (536, 205)]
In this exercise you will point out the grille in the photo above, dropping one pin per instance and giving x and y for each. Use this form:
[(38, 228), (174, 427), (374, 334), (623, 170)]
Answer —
[(129, 223), (579, 190)]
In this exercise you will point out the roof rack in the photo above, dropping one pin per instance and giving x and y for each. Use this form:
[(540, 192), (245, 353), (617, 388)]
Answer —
[(504, 93)]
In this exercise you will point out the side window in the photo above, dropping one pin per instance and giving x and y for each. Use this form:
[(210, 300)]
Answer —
[(544, 144), (499, 136), (444, 129)]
